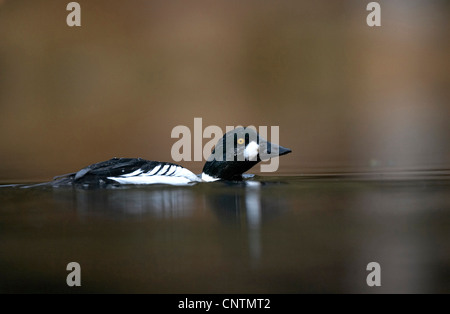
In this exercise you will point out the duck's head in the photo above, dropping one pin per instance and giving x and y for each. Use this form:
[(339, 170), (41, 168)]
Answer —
[(238, 151)]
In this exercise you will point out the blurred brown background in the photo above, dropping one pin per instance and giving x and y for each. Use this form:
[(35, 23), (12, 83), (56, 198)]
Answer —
[(347, 97)]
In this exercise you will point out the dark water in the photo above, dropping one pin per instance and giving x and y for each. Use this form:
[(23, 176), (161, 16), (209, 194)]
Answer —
[(288, 235)]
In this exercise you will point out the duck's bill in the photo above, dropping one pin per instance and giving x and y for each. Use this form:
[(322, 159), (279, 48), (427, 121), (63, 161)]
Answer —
[(283, 150), (270, 150)]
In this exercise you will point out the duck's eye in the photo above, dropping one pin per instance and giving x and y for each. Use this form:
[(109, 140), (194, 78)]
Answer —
[(240, 141)]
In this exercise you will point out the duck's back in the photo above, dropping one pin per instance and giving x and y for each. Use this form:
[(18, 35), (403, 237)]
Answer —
[(129, 171)]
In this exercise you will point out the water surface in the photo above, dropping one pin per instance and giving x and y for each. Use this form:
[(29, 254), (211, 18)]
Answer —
[(289, 234)]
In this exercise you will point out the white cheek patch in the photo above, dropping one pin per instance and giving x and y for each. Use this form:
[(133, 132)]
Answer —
[(251, 151)]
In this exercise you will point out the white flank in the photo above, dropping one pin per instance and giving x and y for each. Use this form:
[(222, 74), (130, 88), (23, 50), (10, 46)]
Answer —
[(181, 176), (208, 178), (183, 172)]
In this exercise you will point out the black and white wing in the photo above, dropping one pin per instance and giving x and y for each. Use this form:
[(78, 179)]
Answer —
[(133, 171), (156, 172)]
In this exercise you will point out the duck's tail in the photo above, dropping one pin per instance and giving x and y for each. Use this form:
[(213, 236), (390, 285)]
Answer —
[(58, 181)]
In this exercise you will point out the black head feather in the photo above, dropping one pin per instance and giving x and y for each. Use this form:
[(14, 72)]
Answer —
[(238, 151)]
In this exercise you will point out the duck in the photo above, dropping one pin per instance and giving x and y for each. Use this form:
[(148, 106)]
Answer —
[(235, 153)]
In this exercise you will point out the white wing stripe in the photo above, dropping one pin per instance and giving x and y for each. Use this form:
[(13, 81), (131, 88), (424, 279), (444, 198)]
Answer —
[(164, 169), (174, 168), (132, 174), (154, 170)]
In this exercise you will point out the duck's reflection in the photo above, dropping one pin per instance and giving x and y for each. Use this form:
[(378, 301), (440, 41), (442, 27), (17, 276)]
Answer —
[(253, 211), (245, 205), (241, 204), (120, 203)]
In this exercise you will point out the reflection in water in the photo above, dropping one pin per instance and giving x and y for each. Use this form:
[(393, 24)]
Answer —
[(245, 206), (253, 211), (397, 245), (161, 203), (307, 235), (239, 204)]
